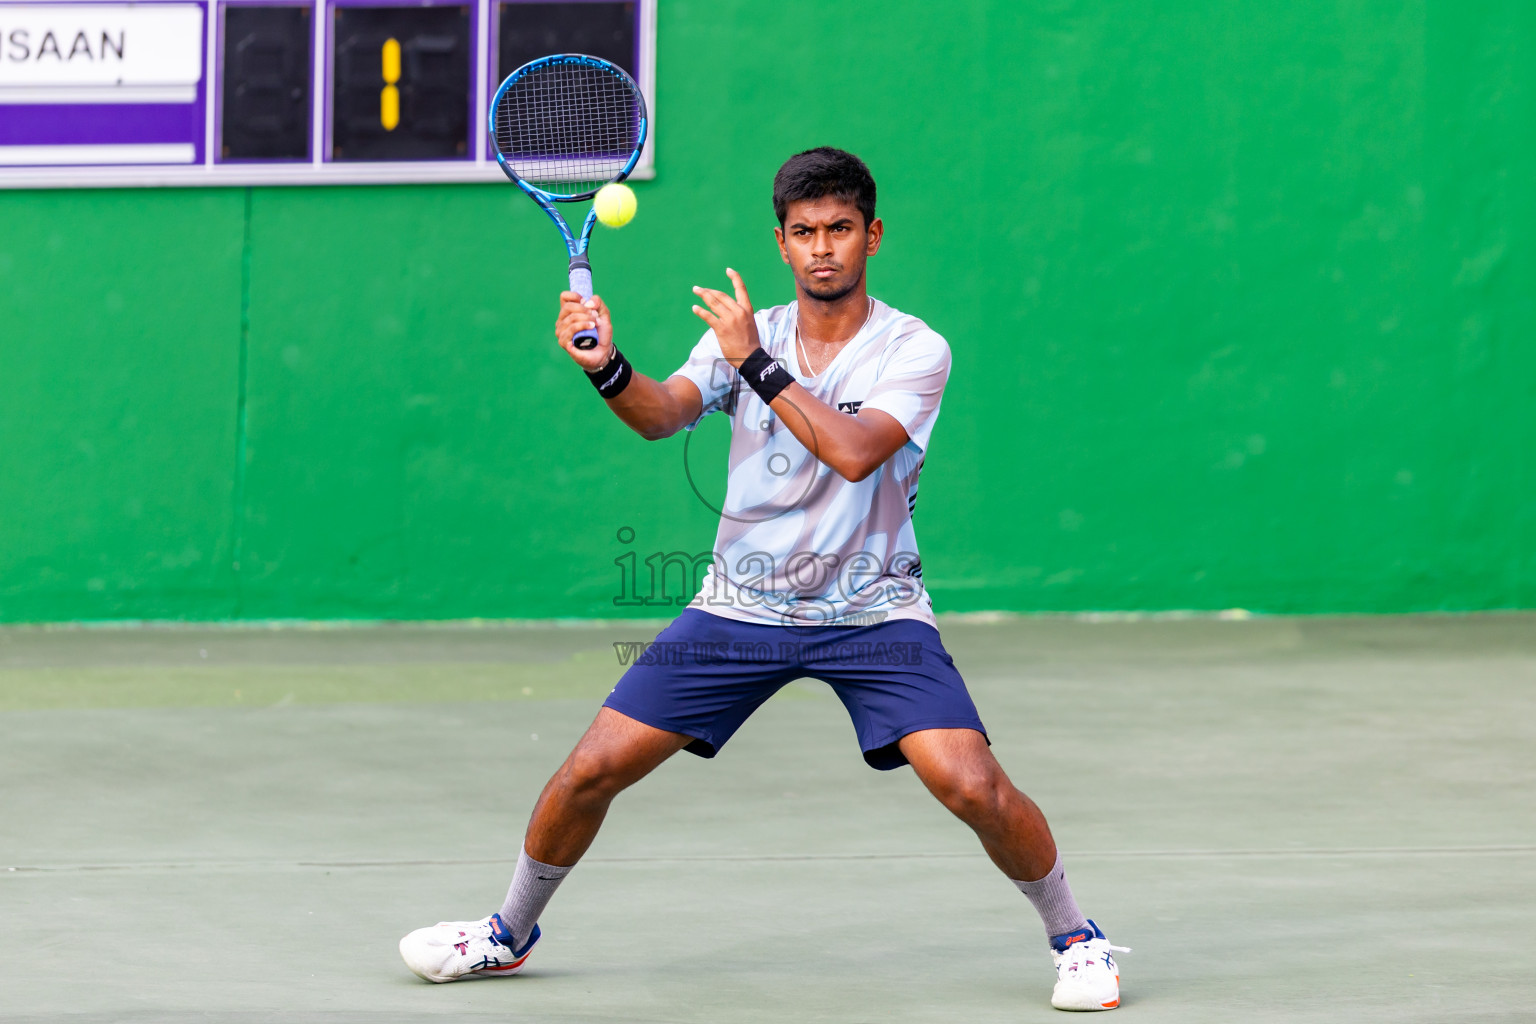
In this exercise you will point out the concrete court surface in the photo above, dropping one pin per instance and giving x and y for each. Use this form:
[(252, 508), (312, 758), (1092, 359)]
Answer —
[(1288, 819)]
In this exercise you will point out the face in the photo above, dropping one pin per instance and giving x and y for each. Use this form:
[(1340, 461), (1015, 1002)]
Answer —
[(826, 244)]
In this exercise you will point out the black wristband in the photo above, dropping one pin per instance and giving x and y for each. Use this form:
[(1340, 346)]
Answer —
[(764, 375), (614, 377)]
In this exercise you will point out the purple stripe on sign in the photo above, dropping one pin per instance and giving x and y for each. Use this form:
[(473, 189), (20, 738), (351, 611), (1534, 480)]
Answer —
[(102, 124)]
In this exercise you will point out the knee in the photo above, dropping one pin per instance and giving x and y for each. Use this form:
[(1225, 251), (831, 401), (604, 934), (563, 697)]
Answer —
[(593, 774), (974, 796)]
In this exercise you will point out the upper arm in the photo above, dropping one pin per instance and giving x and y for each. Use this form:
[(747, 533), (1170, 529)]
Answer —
[(704, 383), (884, 436), (687, 401), (910, 385)]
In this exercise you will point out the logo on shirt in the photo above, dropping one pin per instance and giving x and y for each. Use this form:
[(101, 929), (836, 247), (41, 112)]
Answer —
[(849, 407)]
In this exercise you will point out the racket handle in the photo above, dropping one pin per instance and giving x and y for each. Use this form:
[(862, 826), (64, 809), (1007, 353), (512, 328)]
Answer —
[(581, 284)]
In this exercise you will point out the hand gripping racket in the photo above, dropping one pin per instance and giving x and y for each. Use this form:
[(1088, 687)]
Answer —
[(563, 127)]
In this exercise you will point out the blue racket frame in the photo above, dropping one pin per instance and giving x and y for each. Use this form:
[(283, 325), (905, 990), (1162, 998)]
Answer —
[(575, 245)]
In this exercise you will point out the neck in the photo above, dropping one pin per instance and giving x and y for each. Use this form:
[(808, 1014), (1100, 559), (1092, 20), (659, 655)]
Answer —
[(834, 322)]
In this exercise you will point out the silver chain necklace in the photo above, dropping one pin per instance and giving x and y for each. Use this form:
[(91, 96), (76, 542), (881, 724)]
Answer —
[(800, 341)]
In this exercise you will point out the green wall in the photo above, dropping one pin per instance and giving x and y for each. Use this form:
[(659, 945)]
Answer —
[(1242, 299)]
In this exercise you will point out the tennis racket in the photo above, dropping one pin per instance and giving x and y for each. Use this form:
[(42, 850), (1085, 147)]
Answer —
[(563, 127)]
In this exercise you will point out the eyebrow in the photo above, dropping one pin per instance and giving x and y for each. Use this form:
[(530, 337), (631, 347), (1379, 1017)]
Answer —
[(801, 224)]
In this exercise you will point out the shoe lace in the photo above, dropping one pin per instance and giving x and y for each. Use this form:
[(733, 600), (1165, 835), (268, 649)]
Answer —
[(468, 933), (1089, 949)]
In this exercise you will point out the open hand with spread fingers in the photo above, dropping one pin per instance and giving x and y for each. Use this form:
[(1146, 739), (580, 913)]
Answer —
[(731, 318)]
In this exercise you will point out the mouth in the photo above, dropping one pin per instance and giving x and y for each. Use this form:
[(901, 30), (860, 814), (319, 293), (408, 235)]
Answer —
[(823, 272)]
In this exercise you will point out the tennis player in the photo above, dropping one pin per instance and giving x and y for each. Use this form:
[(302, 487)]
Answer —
[(832, 401)]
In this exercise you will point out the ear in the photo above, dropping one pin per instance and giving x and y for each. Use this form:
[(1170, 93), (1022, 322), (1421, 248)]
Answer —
[(778, 234), (876, 232)]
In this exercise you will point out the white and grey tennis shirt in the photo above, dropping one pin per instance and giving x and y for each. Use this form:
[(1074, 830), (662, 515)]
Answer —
[(798, 544)]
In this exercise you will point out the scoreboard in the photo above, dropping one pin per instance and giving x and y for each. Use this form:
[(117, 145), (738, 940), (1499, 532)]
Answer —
[(256, 92)]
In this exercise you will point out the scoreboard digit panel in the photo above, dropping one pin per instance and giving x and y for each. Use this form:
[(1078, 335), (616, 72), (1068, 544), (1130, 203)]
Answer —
[(265, 113), (403, 83), (526, 31), (247, 92)]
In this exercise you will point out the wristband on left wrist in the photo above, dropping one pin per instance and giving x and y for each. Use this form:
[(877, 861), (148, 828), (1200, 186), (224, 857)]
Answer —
[(764, 374)]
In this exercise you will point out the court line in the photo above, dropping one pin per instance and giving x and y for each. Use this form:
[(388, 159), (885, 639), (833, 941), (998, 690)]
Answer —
[(748, 858)]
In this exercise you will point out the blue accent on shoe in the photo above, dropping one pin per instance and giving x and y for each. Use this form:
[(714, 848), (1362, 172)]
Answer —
[(1060, 942), (529, 944), (502, 934)]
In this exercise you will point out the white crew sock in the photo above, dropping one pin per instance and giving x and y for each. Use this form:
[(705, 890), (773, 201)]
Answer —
[(533, 884), (1053, 901)]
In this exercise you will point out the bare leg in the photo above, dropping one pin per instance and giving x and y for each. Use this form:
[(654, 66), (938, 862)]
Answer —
[(614, 754), (957, 766)]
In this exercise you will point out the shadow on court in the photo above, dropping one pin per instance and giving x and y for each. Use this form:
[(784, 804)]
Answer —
[(1297, 820)]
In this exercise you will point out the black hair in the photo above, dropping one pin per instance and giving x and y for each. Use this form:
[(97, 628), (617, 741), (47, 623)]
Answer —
[(821, 172)]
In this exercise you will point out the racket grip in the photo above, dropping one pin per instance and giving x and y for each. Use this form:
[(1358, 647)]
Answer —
[(581, 284)]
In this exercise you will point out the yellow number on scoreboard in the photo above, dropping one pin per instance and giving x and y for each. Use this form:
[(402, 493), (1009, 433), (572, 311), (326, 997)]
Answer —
[(389, 99)]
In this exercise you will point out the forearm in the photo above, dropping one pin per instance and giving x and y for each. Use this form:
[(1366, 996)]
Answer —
[(852, 446), (649, 408)]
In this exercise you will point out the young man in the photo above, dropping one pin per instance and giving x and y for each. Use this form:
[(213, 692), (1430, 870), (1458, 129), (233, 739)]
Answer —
[(832, 401)]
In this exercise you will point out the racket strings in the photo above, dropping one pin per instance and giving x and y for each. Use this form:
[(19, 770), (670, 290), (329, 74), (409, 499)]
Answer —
[(568, 127)]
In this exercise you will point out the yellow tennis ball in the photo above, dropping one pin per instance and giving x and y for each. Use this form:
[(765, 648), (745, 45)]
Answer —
[(615, 205)]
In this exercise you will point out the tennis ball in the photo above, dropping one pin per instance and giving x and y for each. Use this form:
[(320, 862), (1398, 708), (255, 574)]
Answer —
[(615, 205)]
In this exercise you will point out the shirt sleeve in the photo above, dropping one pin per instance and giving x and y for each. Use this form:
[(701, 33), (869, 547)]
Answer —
[(910, 382), (711, 374)]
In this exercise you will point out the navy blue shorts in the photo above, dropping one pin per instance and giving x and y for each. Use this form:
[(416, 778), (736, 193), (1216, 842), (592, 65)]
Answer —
[(706, 674)]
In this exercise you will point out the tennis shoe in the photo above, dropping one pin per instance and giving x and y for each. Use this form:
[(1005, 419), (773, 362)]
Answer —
[(451, 950), (1087, 977)]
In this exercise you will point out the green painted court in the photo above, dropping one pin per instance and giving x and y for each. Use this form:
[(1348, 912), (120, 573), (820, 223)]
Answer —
[(1287, 819)]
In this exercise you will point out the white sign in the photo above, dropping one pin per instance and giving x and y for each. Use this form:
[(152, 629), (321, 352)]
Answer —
[(67, 53)]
